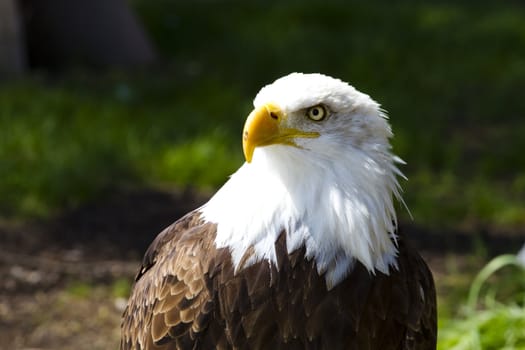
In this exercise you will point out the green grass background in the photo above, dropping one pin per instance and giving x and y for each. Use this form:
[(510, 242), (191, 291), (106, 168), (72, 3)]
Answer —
[(450, 74)]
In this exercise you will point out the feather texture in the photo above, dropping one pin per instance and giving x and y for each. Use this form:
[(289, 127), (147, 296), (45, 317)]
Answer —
[(267, 306)]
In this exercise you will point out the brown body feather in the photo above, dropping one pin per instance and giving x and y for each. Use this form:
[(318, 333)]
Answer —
[(187, 296)]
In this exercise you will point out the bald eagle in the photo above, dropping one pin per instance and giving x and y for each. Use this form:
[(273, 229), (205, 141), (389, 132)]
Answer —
[(299, 249)]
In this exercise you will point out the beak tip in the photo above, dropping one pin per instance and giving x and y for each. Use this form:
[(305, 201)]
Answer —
[(248, 152)]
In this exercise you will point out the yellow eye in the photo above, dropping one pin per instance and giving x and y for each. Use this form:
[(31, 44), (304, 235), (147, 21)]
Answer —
[(316, 113)]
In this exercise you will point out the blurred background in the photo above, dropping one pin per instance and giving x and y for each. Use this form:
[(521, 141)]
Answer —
[(117, 117)]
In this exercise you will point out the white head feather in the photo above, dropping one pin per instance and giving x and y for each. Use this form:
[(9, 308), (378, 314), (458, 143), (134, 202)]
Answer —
[(333, 194)]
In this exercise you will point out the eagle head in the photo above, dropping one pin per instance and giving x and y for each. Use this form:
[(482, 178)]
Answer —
[(319, 169), (315, 113)]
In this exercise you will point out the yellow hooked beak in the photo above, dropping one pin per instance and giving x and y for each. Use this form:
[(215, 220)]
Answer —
[(265, 126)]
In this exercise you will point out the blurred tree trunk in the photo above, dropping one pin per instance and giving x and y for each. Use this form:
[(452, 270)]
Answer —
[(62, 33), (12, 46)]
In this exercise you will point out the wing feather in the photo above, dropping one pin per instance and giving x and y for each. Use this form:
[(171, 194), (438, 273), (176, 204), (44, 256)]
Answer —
[(188, 296), (170, 303)]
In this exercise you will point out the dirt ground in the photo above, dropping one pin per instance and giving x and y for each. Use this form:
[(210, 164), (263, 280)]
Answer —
[(64, 281)]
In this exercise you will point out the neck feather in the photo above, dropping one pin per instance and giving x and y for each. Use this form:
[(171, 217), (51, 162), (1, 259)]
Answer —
[(340, 212)]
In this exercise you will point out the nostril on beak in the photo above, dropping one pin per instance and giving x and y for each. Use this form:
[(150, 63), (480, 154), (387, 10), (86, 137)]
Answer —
[(274, 115)]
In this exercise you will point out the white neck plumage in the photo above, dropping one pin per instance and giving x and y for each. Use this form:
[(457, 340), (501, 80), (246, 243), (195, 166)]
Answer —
[(340, 211)]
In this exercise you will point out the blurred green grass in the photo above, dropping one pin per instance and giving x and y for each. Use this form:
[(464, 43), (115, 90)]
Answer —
[(61, 145), (493, 316), (450, 74)]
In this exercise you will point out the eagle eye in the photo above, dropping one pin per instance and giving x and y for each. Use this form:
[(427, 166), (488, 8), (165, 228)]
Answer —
[(316, 113)]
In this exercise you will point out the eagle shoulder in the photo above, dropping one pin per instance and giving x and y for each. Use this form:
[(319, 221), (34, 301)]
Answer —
[(421, 313), (170, 303)]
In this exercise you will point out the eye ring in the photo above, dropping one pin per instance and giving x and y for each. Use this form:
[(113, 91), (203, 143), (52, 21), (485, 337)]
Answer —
[(316, 113)]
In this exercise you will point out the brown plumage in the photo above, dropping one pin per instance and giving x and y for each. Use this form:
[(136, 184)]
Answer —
[(187, 297)]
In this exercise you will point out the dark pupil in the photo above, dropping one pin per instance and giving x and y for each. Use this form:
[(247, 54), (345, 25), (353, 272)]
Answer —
[(315, 111)]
